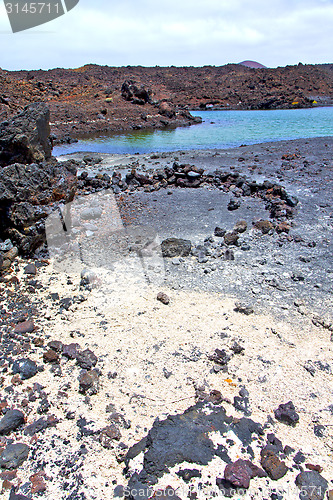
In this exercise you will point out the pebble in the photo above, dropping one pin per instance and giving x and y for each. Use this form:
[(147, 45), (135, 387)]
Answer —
[(89, 382), (243, 308), (30, 269), (24, 327), (25, 367), (163, 297), (241, 472), (11, 421), (51, 356), (286, 413)]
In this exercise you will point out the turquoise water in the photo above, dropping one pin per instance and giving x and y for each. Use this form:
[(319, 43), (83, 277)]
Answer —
[(220, 129)]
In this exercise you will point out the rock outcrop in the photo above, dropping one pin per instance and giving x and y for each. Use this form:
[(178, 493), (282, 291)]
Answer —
[(31, 181), (26, 138)]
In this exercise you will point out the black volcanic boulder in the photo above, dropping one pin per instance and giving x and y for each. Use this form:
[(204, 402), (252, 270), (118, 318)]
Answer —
[(31, 188), (137, 95), (26, 138)]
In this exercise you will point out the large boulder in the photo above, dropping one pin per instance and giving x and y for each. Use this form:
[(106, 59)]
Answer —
[(33, 185), (26, 138), (130, 91)]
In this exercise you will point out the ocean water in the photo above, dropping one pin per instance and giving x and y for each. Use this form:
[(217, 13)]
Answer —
[(219, 129)]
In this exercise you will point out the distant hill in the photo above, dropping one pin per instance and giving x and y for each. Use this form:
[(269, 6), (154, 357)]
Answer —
[(252, 64)]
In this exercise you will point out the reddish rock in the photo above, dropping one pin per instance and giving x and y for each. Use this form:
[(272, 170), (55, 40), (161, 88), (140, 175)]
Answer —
[(89, 382), (108, 435), (274, 467), (241, 472), (282, 227), (37, 482), (51, 356), (71, 351)]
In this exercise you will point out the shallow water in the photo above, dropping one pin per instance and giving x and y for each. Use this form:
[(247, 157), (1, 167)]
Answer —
[(219, 129)]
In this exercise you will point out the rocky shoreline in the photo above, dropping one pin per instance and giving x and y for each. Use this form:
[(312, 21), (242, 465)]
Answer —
[(199, 368), (96, 99)]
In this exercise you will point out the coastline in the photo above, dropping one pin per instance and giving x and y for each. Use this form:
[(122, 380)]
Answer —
[(154, 359)]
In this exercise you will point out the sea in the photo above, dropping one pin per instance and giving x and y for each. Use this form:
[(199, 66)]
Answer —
[(218, 130)]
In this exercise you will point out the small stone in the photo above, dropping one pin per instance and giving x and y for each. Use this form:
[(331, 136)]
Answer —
[(316, 468), (25, 367), (71, 351), (263, 225), (86, 359), (30, 269), (89, 382), (51, 356), (229, 254), (17, 496), (56, 345), (234, 204), (219, 232), (312, 485), (11, 421), (241, 472), (11, 254), (24, 327), (283, 227), (243, 308), (286, 413), (240, 226), (274, 467), (220, 356), (14, 455), (108, 435), (231, 238), (37, 482), (176, 247), (163, 297)]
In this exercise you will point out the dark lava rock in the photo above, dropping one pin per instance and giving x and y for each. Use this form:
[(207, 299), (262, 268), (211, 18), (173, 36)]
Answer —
[(17, 496), (242, 403), (234, 205), (241, 472), (24, 327), (185, 438), (28, 194), (231, 238), (26, 139), (86, 359), (229, 254), (89, 382), (40, 424), (11, 421), (14, 455), (286, 413), (274, 467), (219, 232), (30, 269), (56, 345), (312, 485), (25, 367), (243, 308), (220, 356), (176, 247), (163, 297), (71, 351), (187, 474)]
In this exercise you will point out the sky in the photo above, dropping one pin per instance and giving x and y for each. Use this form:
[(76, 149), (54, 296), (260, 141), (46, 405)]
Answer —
[(174, 32)]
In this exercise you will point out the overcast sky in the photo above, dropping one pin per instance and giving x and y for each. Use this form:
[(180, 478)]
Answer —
[(174, 32)]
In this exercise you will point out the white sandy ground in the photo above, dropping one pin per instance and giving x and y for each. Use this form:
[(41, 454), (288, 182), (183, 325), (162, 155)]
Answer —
[(140, 338)]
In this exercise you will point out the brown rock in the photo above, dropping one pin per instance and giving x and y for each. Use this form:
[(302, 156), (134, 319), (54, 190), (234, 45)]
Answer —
[(37, 482), (89, 382), (231, 238), (71, 351), (51, 356), (163, 297), (282, 227), (274, 467), (108, 435), (240, 226), (263, 225), (11, 254)]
